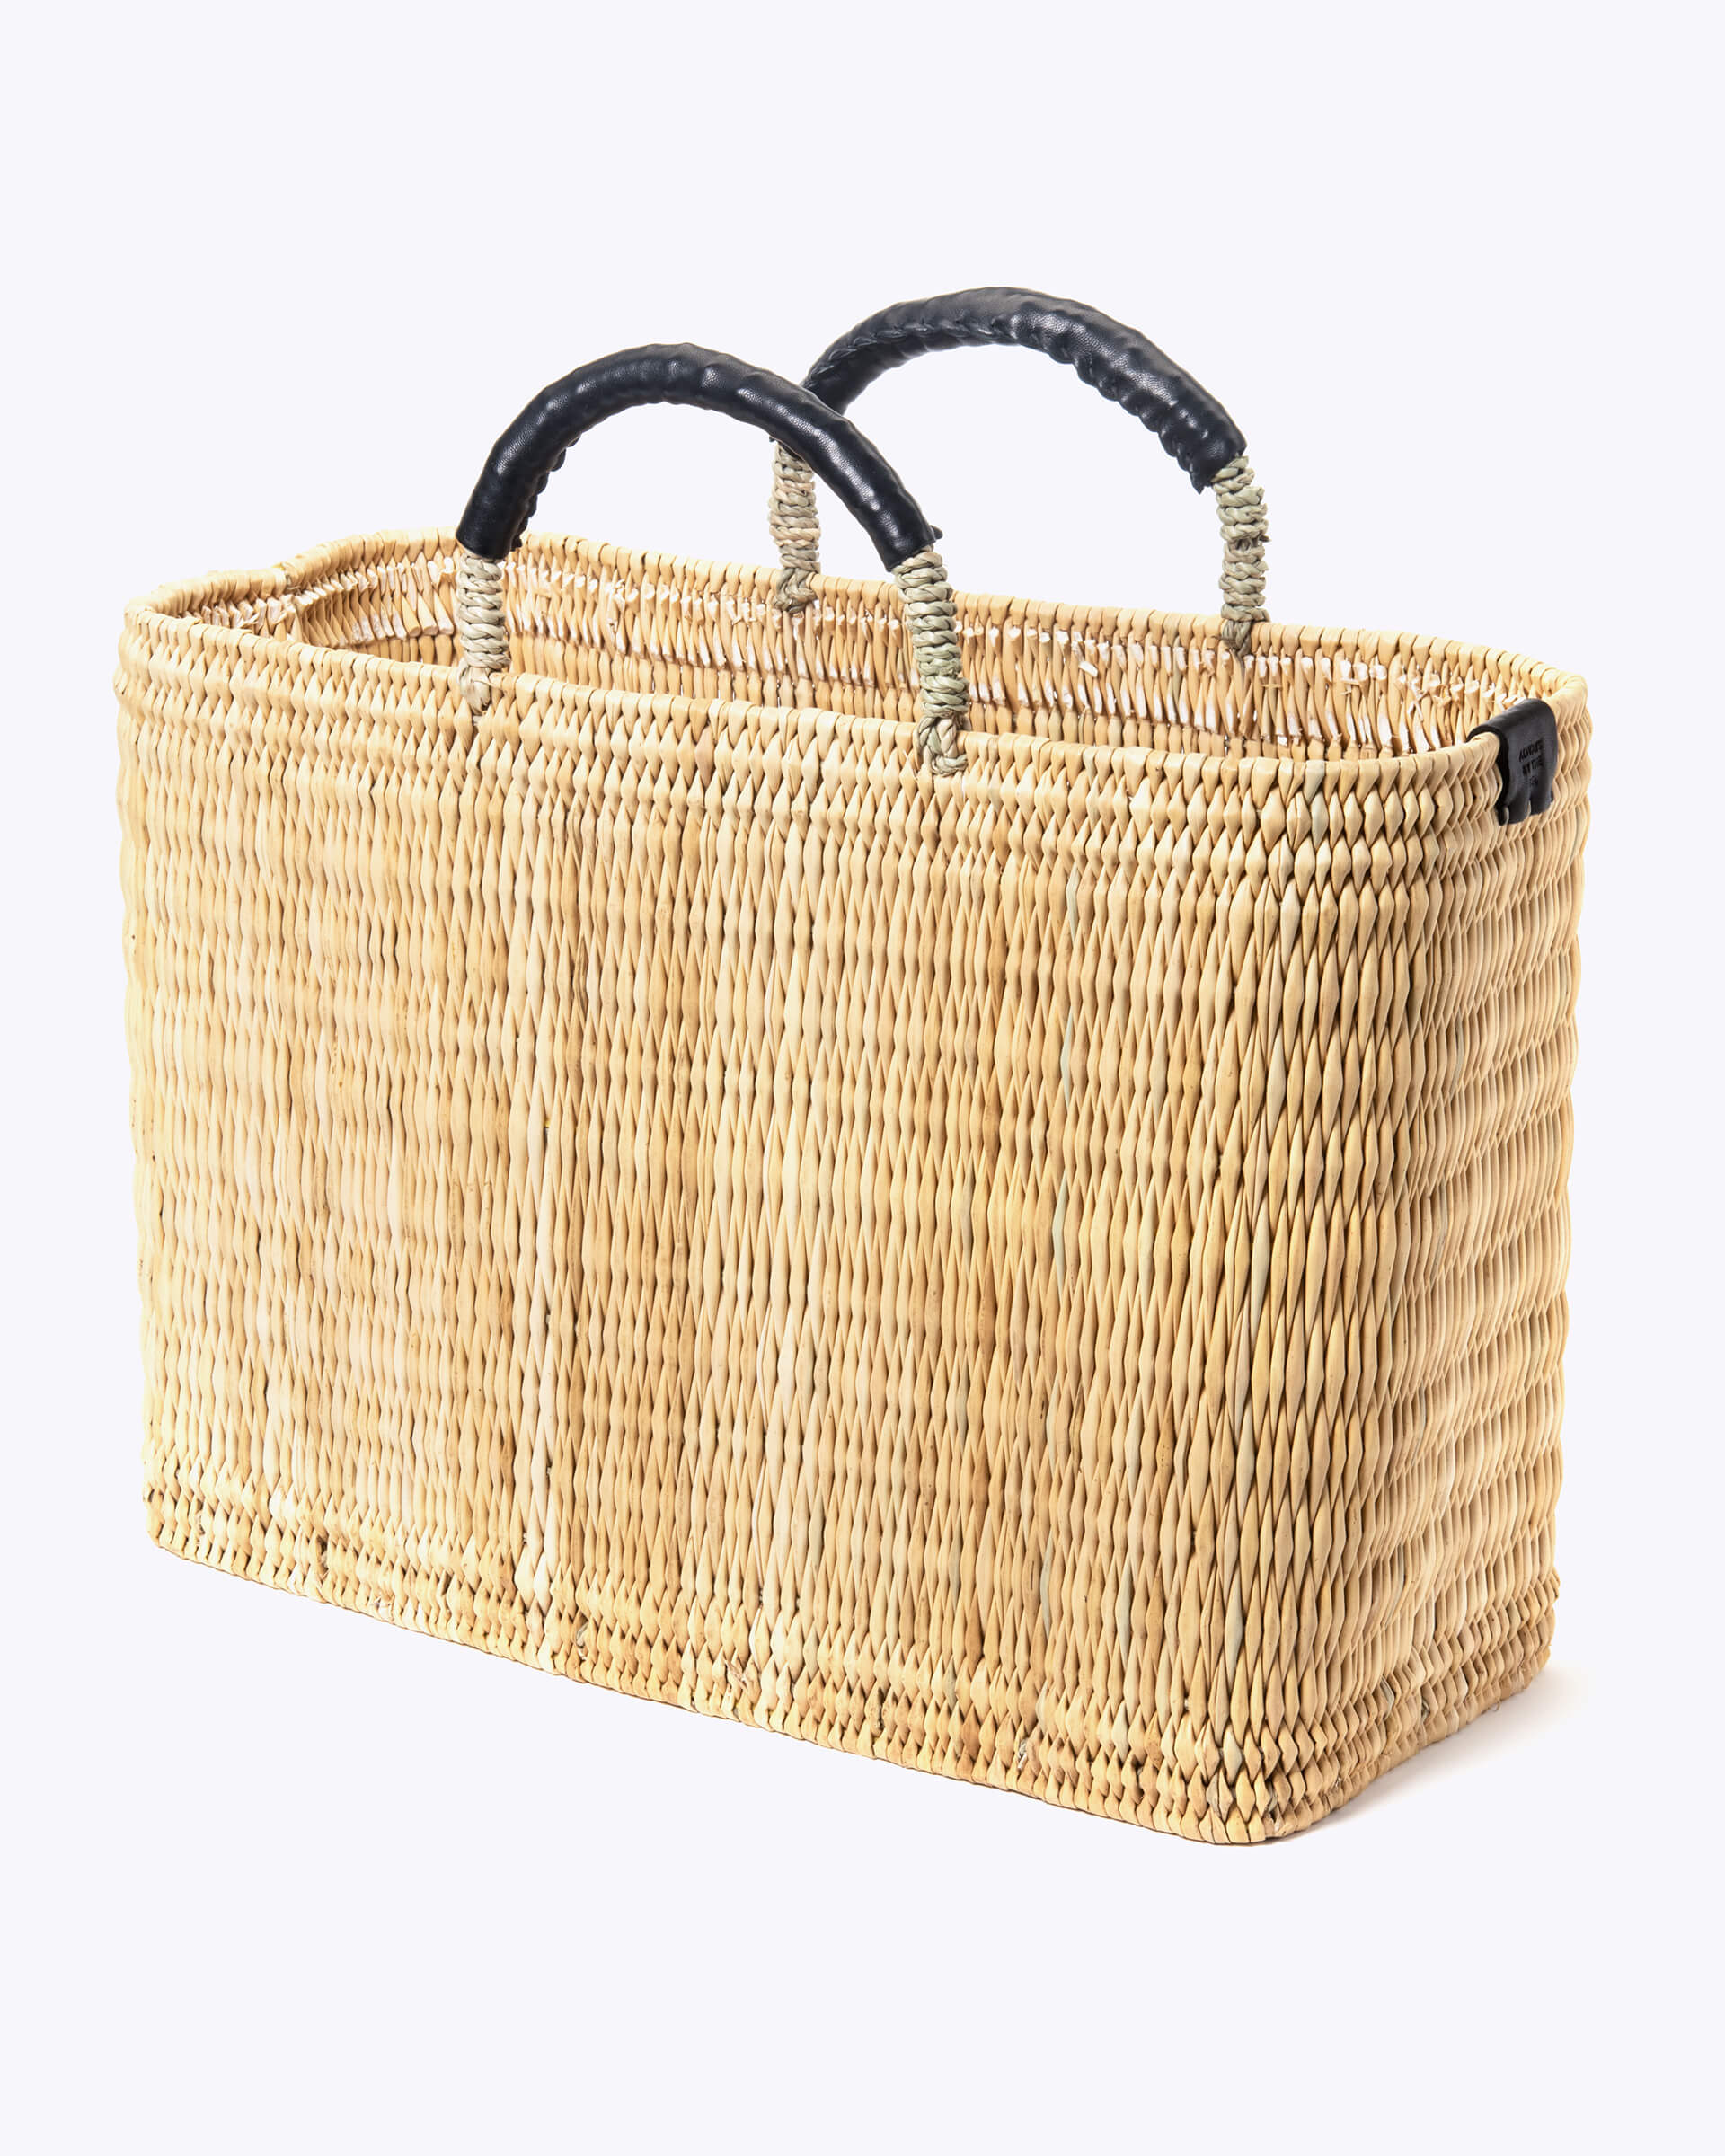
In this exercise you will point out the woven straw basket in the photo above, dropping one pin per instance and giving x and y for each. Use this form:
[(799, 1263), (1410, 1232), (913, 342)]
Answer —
[(978, 1181)]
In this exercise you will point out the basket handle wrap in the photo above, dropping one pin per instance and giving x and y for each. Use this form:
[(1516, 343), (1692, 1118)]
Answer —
[(525, 455), (1118, 361)]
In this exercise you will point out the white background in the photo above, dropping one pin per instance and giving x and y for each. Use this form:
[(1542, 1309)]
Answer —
[(276, 1877)]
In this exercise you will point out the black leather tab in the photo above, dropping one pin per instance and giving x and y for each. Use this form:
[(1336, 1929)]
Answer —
[(524, 458), (1124, 366), (1526, 737)]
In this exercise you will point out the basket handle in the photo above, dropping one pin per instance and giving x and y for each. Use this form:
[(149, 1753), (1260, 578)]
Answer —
[(525, 455), (1119, 362)]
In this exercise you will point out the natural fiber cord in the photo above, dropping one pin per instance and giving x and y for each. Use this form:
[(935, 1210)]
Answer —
[(794, 521), (485, 641), (1052, 1274), (932, 622), (1245, 534)]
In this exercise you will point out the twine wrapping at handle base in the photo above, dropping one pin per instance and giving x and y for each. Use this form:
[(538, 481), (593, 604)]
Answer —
[(931, 621), (795, 522), (1245, 534), (482, 634)]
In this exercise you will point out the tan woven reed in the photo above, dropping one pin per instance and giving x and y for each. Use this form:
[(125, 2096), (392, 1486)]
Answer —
[(1054, 1275)]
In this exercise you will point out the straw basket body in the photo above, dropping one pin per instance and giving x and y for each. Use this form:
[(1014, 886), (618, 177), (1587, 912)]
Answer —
[(1052, 1275)]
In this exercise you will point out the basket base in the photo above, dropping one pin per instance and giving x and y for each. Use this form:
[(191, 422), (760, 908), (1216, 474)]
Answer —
[(377, 1574)]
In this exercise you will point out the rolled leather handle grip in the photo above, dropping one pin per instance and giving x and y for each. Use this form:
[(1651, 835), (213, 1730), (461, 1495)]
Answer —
[(525, 457), (1116, 360), (1112, 358)]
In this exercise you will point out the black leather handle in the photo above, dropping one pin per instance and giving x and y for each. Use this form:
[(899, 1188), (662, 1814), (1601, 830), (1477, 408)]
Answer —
[(525, 457), (1187, 419)]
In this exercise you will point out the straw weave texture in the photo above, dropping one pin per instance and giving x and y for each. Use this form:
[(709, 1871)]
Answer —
[(1054, 1275)]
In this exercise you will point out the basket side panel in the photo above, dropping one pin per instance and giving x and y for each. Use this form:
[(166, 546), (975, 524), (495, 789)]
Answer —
[(1476, 1400)]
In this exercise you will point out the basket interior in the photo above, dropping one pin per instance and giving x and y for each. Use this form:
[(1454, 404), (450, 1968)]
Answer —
[(599, 616)]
